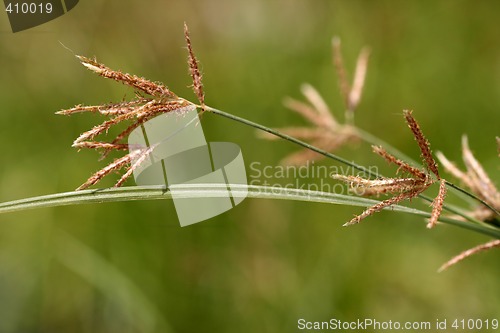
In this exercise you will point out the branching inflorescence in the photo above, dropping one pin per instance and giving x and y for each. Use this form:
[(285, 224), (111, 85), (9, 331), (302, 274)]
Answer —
[(327, 132), (402, 188), (152, 99), (477, 180)]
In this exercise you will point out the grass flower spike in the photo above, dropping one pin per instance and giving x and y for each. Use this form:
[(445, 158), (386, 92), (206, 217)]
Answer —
[(402, 188), (480, 248), (151, 99), (327, 132), (476, 179), (194, 69)]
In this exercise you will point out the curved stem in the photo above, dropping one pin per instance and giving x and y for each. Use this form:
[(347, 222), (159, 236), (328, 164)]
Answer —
[(472, 195), (214, 190), (292, 139)]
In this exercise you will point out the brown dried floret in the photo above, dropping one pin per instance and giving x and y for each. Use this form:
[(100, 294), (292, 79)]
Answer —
[(437, 205), (401, 164), (194, 70), (480, 248), (106, 109), (327, 133), (476, 179), (139, 83), (402, 188), (116, 165), (423, 143), (351, 94), (383, 204)]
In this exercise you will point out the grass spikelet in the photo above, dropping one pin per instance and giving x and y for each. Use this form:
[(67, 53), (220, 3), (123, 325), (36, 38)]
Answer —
[(320, 106), (437, 205), (194, 69), (422, 143), (116, 165), (475, 178), (111, 109), (401, 164), (358, 82), (305, 110), (381, 205), (139, 83), (137, 160), (483, 183), (101, 145), (338, 62), (452, 169), (480, 248)]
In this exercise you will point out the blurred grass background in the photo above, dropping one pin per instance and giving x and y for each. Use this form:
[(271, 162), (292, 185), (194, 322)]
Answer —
[(129, 267)]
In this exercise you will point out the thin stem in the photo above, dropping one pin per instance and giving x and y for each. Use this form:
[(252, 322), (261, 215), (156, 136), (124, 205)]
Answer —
[(472, 195), (358, 167), (213, 190), (292, 139)]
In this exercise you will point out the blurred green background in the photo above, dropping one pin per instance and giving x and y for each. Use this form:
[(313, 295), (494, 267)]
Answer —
[(129, 267)]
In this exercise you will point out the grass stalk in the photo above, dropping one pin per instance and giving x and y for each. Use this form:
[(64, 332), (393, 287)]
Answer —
[(132, 193)]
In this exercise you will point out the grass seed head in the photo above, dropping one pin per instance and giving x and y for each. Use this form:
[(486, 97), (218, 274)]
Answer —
[(139, 83), (437, 205), (480, 248), (423, 144), (194, 69)]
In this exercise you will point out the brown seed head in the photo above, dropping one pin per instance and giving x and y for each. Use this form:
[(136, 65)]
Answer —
[(111, 109), (341, 71), (194, 69), (480, 248), (319, 105), (383, 204), (481, 183), (401, 164), (139, 83), (359, 79), (101, 145), (424, 145), (115, 165), (437, 205)]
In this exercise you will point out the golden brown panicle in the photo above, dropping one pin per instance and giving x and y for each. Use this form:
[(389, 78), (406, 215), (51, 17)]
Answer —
[(423, 144), (151, 99), (480, 248), (194, 70), (326, 133), (402, 188), (478, 181)]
